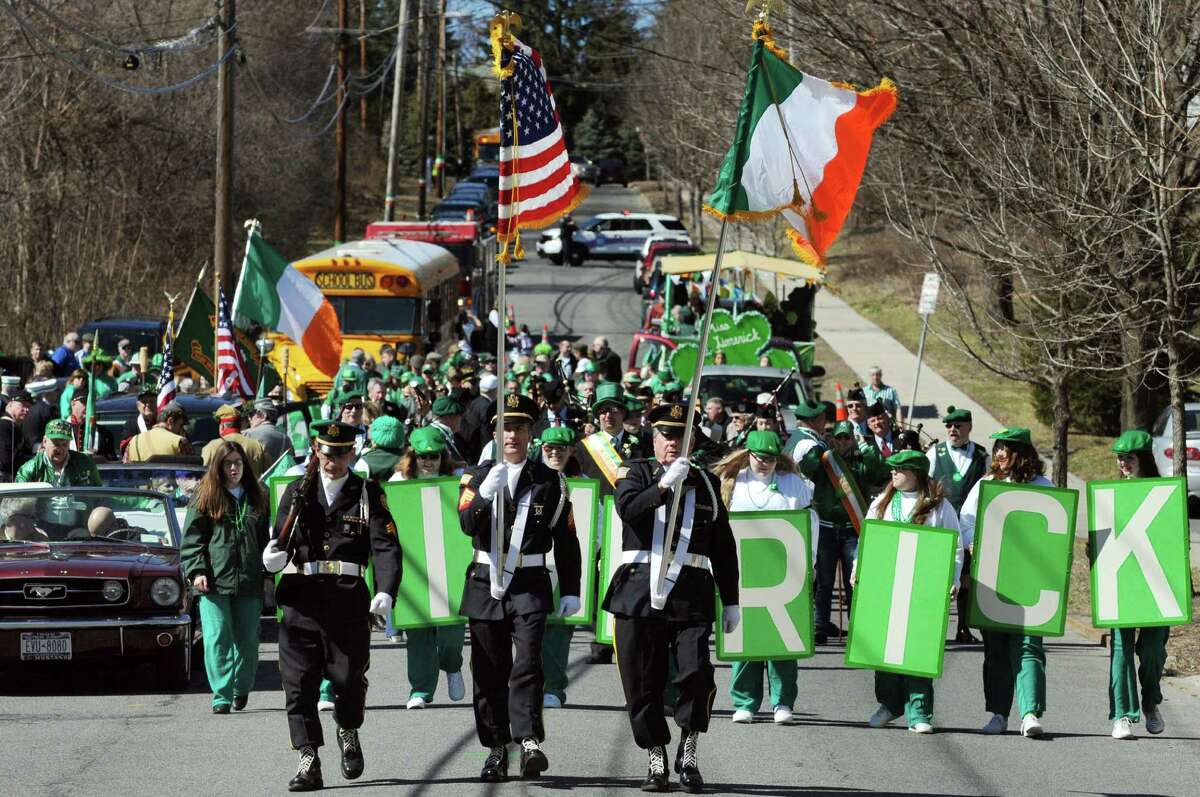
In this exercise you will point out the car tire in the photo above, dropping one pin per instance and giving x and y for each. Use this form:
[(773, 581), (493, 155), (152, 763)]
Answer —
[(637, 285), (555, 259), (578, 255), (172, 668)]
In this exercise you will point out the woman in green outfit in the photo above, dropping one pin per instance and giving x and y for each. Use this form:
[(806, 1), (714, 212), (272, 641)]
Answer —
[(431, 648), (226, 530), (1131, 645), (911, 497)]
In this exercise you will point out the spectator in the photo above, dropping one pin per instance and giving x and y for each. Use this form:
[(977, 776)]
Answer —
[(124, 359), (86, 341), (264, 431), (64, 356), (608, 362), (147, 416), (715, 418), (229, 425), (14, 448), (42, 412), (165, 438), (76, 381), (876, 390)]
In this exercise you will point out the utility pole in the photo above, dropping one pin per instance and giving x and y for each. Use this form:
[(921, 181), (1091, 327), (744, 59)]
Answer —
[(422, 111), (389, 201), (458, 128), (339, 137), (440, 155), (223, 182), (362, 60)]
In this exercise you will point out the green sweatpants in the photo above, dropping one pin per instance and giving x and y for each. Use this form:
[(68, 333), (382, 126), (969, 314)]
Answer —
[(327, 694), (1012, 660), (556, 648), (433, 649), (230, 626), (1150, 647), (746, 688), (909, 695)]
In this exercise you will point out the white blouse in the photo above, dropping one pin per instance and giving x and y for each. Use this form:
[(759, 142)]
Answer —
[(941, 516), (782, 491)]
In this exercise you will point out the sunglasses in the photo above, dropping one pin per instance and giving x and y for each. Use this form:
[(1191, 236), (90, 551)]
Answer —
[(554, 449), (436, 455), (954, 425), (763, 457)]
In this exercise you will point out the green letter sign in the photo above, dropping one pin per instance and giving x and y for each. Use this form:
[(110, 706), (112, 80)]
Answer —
[(775, 592), (901, 599), (1139, 540), (583, 493), (610, 560), (1022, 561)]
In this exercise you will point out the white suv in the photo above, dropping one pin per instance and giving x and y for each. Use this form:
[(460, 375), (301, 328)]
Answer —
[(610, 236)]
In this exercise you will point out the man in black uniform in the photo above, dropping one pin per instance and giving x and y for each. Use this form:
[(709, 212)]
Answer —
[(326, 629), (507, 602), (651, 623)]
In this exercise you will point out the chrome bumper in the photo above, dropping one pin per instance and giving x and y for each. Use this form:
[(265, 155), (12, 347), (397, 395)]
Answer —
[(171, 621)]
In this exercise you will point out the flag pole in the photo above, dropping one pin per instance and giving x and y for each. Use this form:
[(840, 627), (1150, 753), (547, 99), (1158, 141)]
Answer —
[(693, 399)]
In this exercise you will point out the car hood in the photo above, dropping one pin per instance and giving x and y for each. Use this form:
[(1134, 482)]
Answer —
[(84, 559)]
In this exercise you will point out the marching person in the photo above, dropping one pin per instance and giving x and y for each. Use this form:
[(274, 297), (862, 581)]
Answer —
[(433, 648), (506, 602), (342, 522), (644, 635), (911, 497), (229, 427), (1010, 660), (761, 478), (447, 415), (1148, 645), (225, 532), (385, 448), (957, 464)]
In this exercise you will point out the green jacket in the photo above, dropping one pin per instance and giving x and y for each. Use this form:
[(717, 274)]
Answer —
[(80, 471), (230, 554), (866, 467)]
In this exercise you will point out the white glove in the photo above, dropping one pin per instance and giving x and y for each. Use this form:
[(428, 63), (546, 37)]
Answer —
[(731, 616), (568, 605), (676, 472), (493, 483), (274, 559), (381, 605)]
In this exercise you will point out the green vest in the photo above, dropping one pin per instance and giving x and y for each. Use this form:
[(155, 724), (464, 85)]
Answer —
[(955, 485)]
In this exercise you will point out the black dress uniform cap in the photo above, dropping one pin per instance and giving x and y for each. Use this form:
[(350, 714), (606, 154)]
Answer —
[(334, 437), (517, 407), (671, 416)]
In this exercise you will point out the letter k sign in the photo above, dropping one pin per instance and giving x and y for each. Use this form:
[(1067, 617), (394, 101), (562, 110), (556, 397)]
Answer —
[(1116, 599)]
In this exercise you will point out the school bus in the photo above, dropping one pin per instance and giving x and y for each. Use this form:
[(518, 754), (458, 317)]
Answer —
[(487, 145), (384, 291)]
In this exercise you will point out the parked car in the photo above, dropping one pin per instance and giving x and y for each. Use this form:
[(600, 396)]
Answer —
[(113, 412), (463, 209), (655, 247), (488, 175), (141, 330), (740, 385), (111, 599), (611, 170), (609, 236), (584, 169), (1164, 450)]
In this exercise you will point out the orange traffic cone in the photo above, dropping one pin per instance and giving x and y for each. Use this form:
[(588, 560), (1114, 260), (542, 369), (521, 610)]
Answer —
[(840, 402), (545, 333)]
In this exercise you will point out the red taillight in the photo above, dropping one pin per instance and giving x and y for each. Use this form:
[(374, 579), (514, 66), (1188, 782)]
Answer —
[(386, 283), (1191, 454)]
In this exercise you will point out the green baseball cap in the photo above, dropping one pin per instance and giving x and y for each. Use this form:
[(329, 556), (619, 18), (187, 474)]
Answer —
[(1132, 441), (427, 440), (763, 441), (843, 429), (558, 435), (1014, 435), (57, 430), (908, 460)]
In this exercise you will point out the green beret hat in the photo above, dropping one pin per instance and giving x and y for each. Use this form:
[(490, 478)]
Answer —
[(558, 435), (809, 409), (908, 460), (486, 357), (1131, 441), (954, 414), (387, 432), (57, 430), (446, 406), (608, 393), (634, 404), (426, 440), (763, 442), (415, 379), (1014, 435), (843, 429), (521, 367)]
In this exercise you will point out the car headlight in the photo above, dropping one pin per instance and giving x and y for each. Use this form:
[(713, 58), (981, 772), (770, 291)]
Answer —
[(112, 591), (165, 591)]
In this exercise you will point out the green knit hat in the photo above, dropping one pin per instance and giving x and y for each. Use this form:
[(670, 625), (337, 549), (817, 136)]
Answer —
[(953, 414), (1014, 435), (558, 435), (427, 440), (543, 348), (1132, 441), (763, 441), (387, 432), (908, 460), (446, 406)]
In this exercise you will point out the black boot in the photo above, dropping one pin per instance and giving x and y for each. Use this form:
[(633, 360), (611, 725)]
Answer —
[(239, 702), (533, 760), (687, 765), (495, 768), (656, 772), (308, 775), (352, 757)]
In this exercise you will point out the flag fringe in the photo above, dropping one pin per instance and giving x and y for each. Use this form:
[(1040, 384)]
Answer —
[(754, 215), (804, 249), (762, 32), (536, 223)]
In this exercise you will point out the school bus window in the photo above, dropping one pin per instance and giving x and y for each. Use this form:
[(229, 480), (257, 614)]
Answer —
[(377, 315)]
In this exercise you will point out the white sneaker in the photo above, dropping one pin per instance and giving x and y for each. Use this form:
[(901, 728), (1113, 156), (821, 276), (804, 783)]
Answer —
[(1122, 728), (881, 717), (456, 690), (783, 715), (921, 727), (324, 705), (996, 725), (743, 717), (1031, 727), (551, 701), (416, 702), (1154, 721)]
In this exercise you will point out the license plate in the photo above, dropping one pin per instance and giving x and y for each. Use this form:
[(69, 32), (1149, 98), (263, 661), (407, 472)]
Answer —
[(46, 647)]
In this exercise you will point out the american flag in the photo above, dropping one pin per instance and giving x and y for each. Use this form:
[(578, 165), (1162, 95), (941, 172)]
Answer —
[(166, 379), (231, 368), (536, 184)]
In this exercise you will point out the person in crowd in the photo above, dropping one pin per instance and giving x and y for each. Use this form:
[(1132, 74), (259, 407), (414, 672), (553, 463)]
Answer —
[(856, 412), (875, 390), (265, 431), (761, 478), (385, 447), (229, 427), (1137, 656), (566, 359), (15, 450), (64, 356), (879, 426), (146, 417), (123, 361), (1010, 661), (44, 410), (57, 464), (76, 382), (607, 361), (911, 497), (351, 413), (225, 532), (715, 418), (447, 417), (165, 438)]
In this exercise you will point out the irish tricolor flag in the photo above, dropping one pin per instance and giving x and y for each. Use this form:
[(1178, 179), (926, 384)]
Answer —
[(276, 295), (800, 149)]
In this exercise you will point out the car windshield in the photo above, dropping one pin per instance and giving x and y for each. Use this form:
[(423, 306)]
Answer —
[(179, 483), (737, 390), (375, 315), (57, 516)]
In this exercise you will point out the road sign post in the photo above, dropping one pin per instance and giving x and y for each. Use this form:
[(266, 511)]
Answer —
[(929, 294)]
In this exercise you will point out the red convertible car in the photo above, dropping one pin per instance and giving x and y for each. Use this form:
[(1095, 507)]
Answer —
[(92, 574)]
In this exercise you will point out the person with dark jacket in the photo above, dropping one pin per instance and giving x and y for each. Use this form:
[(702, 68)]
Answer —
[(14, 447), (43, 411)]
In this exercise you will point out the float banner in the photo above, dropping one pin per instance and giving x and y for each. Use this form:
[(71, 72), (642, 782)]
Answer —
[(1138, 534), (1022, 561), (901, 602), (610, 560), (583, 494), (775, 591)]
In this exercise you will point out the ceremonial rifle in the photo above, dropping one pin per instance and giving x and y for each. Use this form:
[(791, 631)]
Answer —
[(292, 523)]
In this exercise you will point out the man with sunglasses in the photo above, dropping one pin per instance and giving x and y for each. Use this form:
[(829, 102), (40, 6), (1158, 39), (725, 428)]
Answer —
[(957, 464), (856, 411)]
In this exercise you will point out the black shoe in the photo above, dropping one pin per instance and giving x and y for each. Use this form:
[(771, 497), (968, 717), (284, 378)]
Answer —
[(600, 655), (656, 773), (221, 708), (533, 760), (686, 764), (239, 702), (820, 638), (495, 768), (352, 757), (829, 629), (308, 776), (964, 636)]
